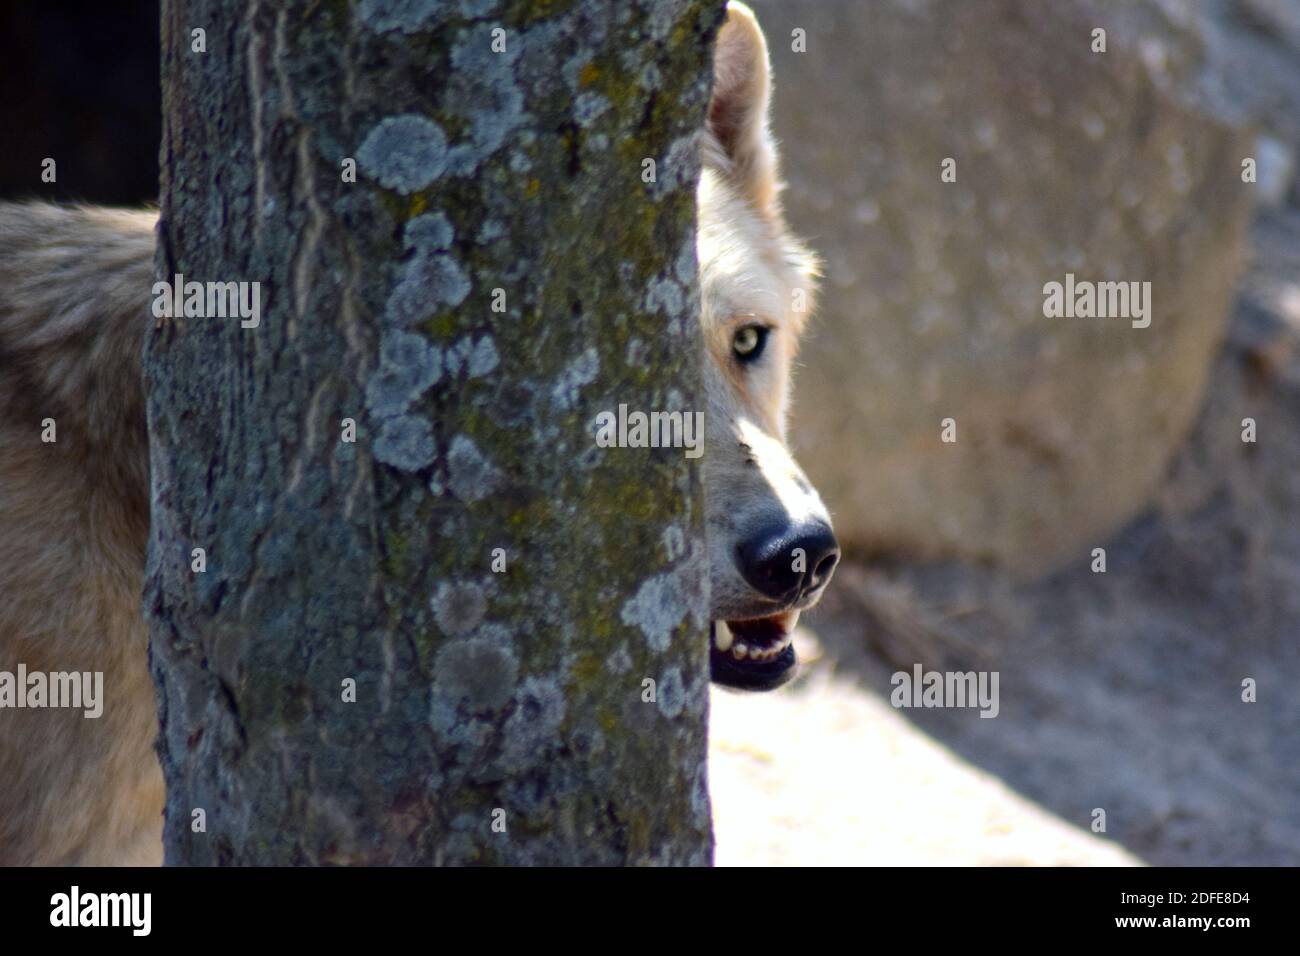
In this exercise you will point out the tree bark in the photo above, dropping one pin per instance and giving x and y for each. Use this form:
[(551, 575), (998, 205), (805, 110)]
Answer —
[(498, 273)]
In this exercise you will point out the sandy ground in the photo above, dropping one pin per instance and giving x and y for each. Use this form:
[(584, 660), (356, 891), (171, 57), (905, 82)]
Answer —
[(825, 773)]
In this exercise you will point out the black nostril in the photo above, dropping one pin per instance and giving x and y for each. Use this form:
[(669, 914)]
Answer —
[(785, 562), (823, 553), (824, 568)]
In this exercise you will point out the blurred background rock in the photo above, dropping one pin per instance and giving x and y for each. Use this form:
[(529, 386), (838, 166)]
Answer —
[(1067, 161)]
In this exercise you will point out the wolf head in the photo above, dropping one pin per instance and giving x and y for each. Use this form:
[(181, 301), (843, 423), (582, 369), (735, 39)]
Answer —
[(771, 549)]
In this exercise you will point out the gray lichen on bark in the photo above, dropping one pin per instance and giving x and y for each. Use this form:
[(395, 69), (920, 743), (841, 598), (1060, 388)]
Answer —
[(477, 171)]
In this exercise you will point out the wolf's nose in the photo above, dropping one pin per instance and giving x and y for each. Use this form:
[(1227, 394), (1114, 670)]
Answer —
[(787, 563)]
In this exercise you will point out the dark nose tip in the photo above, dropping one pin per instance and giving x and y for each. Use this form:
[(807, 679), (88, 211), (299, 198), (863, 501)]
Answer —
[(787, 563)]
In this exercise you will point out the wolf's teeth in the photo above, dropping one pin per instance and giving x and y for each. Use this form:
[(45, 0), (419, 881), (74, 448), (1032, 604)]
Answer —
[(722, 636), (724, 639)]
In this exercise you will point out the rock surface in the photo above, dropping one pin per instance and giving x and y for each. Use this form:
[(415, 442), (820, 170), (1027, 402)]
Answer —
[(1067, 162)]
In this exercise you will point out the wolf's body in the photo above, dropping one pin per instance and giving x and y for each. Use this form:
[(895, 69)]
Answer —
[(74, 287), (73, 522)]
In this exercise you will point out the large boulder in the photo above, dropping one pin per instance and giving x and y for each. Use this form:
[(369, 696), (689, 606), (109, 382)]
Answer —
[(1068, 161)]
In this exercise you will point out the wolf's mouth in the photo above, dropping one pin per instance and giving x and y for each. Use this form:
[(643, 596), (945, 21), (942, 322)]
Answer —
[(755, 654)]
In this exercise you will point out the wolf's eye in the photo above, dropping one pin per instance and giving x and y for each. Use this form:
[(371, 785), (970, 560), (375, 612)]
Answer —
[(749, 341)]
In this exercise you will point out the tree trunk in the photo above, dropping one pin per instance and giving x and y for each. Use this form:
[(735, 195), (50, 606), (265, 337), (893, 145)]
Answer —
[(499, 588)]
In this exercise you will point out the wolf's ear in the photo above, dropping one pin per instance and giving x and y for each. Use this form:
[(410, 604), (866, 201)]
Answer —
[(738, 143)]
